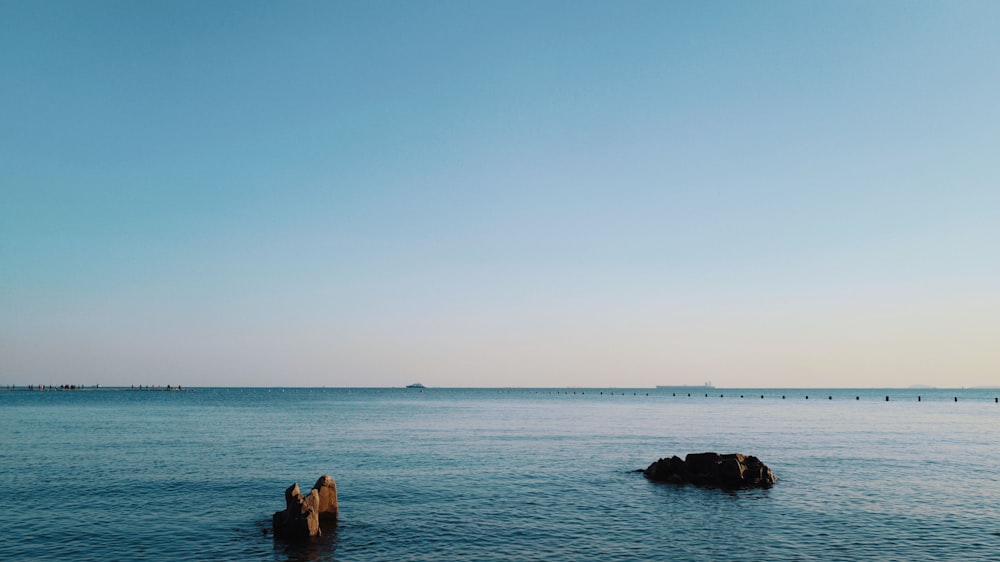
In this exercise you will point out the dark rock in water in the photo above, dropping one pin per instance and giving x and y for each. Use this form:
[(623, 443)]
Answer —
[(301, 517), (713, 470)]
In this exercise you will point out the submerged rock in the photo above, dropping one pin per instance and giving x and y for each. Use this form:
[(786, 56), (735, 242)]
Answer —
[(301, 517), (713, 470)]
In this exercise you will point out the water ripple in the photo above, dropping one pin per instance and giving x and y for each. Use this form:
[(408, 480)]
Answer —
[(473, 475)]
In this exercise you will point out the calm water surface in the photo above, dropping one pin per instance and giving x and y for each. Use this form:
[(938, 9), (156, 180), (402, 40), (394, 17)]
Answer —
[(452, 474)]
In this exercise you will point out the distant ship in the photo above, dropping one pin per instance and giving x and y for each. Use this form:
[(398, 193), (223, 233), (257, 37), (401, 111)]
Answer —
[(415, 385), (706, 386)]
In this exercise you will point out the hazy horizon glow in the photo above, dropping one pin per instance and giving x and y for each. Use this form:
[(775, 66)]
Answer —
[(777, 194)]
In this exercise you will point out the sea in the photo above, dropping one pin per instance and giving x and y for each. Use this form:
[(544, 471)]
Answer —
[(498, 474)]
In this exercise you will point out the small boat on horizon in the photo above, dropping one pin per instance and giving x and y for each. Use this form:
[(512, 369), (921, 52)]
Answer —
[(415, 385)]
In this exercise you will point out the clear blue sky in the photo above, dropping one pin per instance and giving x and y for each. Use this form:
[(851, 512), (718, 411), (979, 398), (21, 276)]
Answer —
[(500, 193)]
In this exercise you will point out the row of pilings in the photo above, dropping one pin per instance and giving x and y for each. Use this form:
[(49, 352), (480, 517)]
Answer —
[(920, 398), (857, 397)]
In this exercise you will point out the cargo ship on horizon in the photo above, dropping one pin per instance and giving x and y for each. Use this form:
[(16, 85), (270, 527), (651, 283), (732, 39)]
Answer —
[(705, 386)]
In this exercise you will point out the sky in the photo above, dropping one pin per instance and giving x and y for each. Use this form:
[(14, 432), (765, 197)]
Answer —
[(500, 193)]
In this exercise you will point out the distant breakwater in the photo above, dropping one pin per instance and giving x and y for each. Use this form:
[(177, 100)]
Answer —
[(92, 388)]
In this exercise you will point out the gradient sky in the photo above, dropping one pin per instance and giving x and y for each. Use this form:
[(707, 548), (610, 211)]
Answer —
[(500, 193)]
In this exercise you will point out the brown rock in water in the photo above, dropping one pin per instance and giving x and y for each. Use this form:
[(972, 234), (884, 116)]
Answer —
[(713, 470), (301, 517), (326, 488)]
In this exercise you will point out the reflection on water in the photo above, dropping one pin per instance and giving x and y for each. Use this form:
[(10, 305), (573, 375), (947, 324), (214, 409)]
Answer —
[(317, 549)]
